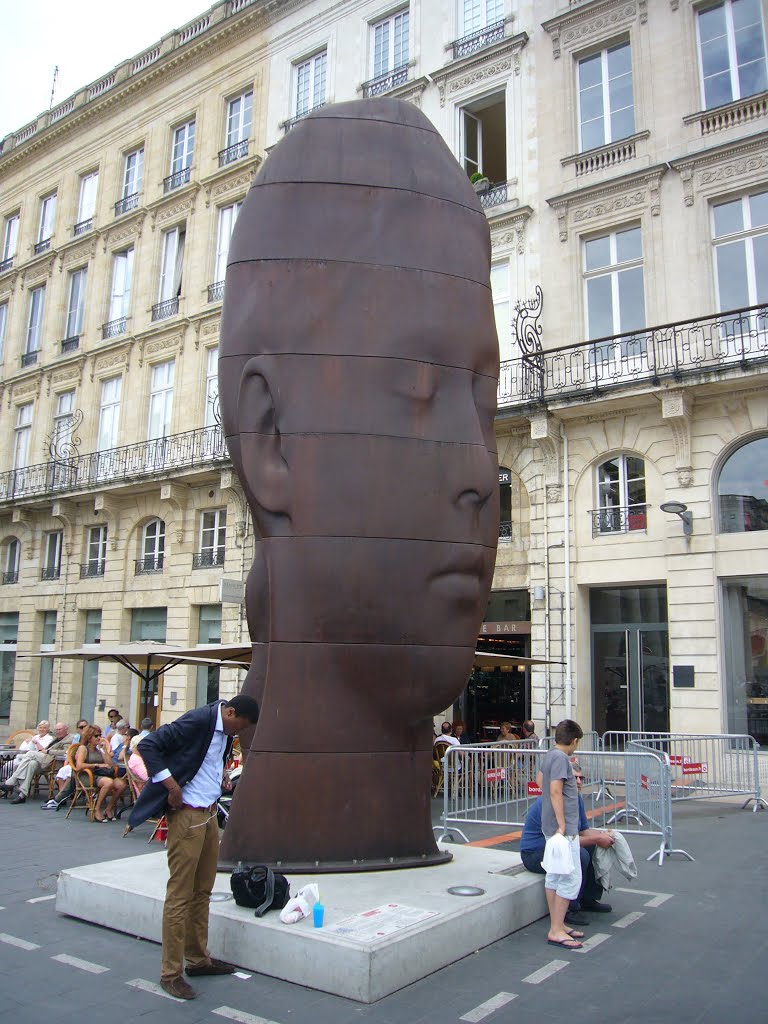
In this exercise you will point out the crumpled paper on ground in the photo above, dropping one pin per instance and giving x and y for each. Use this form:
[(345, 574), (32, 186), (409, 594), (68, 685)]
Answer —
[(301, 904)]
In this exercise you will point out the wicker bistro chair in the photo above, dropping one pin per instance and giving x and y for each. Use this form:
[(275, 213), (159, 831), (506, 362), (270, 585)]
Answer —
[(85, 784)]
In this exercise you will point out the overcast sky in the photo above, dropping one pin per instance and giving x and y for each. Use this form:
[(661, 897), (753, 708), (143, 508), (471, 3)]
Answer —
[(85, 38)]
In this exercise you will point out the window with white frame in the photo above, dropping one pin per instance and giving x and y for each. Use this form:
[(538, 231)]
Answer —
[(239, 112), (620, 495), (182, 147), (389, 44), (212, 387), (479, 14), (501, 309), (213, 537), (122, 278), (35, 319), (52, 544), (731, 51), (63, 420), (73, 327), (152, 546), (109, 413), (160, 400), (740, 237), (171, 263), (227, 220), (613, 283), (310, 83), (86, 206), (3, 326), (10, 237), (483, 126), (133, 170), (96, 546), (11, 558), (606, 104), (47, 216), (22, 435)]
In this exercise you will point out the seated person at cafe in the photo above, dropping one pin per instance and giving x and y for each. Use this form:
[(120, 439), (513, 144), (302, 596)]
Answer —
[(446, 736), (507, 733), (532, 851), (528, 730), (36, 760)]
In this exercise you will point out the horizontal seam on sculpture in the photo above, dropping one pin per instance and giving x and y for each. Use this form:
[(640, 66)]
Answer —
[(339, 116), (376, 185), (357, 263), (400, 540), (360, 433), (358, 355)]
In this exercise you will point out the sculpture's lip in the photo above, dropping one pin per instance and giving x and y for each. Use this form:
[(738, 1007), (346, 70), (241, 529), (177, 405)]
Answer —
[(469, 563)]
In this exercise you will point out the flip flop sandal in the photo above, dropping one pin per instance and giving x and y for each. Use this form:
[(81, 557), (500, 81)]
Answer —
[(566, 943)]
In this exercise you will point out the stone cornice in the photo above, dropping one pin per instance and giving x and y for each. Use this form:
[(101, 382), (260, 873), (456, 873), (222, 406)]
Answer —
[(174, 204), (707, 170), (78, 250), (486, 63), (591, 21), (714, 154), (509, 229), (234, 178), (124, 229), (641, 188)]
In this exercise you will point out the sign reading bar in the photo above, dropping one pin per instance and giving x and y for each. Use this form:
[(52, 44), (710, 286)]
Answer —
[(500, 628), (505, 477)]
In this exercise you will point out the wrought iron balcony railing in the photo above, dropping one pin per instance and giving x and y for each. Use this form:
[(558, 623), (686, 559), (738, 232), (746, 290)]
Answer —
[(234, 152), (149, 564), (29, 359), (51, 573), (216, 291), (505, 531), (287, 125), (478, 40), (616, 519), (6, 265), (126, 204), (90, 569), (177, 179), (82, 226), (11, 577), (162, 310), (493, 196), (113, 328), (75, 472), (42, 246), (70, 344), (737, 339), (207, 558), (383, 83)]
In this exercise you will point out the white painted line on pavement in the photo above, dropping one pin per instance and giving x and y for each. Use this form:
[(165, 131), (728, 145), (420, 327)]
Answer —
[(488, 1007), (546, 972), (2, 908), (592, 941), (11, 940), (628, 919), (240, 1015), (81, 965), (658, 900), (42, 899), (241, 974), (154, 988), (645, 892)]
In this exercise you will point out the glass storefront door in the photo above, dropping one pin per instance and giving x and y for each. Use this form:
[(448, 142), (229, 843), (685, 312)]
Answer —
[(745, 648)]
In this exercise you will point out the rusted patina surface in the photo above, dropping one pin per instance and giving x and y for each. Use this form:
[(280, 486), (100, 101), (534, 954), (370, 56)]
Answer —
[(358, 370)]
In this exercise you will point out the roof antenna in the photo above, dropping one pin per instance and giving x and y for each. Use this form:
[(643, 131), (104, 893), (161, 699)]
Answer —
[(53, 84)]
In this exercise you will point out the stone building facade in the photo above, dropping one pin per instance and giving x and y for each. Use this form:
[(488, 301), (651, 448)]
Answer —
[(623, 152)]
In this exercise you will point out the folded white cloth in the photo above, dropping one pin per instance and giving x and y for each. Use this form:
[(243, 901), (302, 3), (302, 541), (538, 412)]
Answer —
[(557, 856)]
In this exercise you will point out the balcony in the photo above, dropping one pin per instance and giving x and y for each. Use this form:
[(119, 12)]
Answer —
[(493, 196), (207, 558), (82, 227), (232, 153), (70, 344), (202, 447), (216, 291), (177, 179), (51, 573), (505, 531), (89, 570), (126, 204), (287, 125), (113, 328), (6, 265), (28, 359), (615, 519), (734, 340), (470, 44), (10, 577), (149, 564), (162, 310), (384, 83), (42, 246)]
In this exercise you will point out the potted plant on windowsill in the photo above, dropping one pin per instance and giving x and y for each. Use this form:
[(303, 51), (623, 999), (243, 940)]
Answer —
[(479, 182)]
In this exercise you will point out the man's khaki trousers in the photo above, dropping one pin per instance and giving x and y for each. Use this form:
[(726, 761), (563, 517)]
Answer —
[(193, 851)]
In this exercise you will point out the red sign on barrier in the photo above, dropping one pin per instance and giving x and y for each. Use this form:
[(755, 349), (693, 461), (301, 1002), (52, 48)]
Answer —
[(534, 789), (496, 774), (678, 759), (695, 768), (644, 782)]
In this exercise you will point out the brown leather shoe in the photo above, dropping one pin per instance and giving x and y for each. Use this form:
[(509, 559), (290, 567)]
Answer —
[(214, 967), (178, 988)]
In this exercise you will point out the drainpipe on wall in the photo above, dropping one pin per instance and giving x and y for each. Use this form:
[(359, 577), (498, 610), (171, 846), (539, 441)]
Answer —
[(547, 678), (567, 567)]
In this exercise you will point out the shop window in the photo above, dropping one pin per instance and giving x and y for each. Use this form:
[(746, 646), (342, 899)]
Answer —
[(742, 489)]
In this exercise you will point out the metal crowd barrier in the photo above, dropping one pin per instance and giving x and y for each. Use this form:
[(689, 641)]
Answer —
[(496, 785), (590, 741), (701, 766)]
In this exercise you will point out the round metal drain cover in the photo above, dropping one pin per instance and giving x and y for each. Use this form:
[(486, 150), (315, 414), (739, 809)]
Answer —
[(220, 897), (466, 890)]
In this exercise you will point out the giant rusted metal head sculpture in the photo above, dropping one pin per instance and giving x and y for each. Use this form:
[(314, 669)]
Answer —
[(358, 372)]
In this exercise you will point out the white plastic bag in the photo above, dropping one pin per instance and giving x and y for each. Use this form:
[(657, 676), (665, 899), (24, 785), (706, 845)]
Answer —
[(301, 904), (557, 856)]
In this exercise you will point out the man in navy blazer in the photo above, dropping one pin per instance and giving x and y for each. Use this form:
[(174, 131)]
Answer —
[(185, 766)]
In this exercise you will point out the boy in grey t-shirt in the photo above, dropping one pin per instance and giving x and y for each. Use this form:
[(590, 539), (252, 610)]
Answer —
[(560, 813)]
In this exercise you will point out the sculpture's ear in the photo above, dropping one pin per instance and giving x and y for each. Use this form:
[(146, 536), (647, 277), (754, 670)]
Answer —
[(265, 469)]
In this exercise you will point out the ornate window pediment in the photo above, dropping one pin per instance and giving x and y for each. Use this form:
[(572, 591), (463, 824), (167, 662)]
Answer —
[(714, 171), (592, 22), (596, 206), (494, 62)]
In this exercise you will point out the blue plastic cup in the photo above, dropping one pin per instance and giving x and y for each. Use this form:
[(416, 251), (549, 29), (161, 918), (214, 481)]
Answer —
[(317, 915)]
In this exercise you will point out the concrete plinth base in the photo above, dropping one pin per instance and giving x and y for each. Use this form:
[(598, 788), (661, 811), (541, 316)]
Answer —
[(320, 958)]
